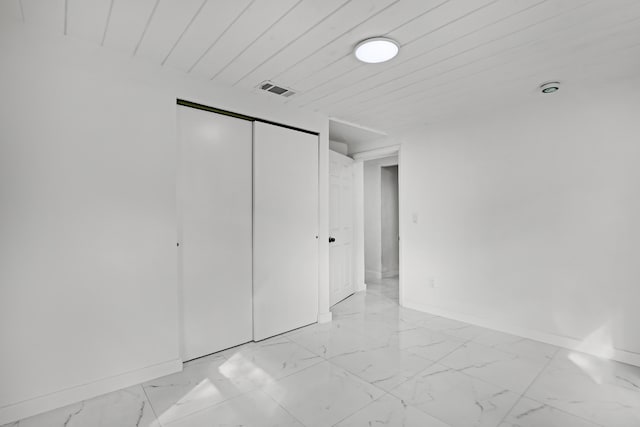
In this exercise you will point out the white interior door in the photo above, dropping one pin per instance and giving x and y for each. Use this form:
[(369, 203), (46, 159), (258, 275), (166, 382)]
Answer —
[(215, 201), (285, 245), (341, 219)]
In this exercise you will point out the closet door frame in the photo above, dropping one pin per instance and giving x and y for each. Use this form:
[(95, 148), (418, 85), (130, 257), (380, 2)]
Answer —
[(194, 105)]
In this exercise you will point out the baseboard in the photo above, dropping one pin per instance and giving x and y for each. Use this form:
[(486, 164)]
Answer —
[(38, 405), (553, 339), (325, 317)]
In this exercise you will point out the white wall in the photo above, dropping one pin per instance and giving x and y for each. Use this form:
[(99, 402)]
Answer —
[(89, 293), (372, 216), (528, 220), (338, 147), (389, 251)]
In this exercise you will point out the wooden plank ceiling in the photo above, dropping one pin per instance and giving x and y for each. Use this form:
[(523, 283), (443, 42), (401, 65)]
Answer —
[(457, 56)]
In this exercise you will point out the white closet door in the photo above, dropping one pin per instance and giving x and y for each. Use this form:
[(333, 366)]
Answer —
[(215, 244), (285, 245)]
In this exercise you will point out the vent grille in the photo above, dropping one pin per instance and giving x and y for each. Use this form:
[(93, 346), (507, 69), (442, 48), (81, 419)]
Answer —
[(271, 87)]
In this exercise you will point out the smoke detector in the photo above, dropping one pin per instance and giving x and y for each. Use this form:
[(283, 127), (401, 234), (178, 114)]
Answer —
[(550, 87), (269, 86)]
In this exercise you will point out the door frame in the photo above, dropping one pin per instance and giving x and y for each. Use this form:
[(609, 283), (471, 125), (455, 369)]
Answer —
[(359, 159)]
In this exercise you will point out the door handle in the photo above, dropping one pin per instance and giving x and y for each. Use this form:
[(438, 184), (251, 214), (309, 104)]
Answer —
[(332, 239)]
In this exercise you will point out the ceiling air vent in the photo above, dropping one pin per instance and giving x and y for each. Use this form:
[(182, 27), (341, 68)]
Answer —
[(278, 90)]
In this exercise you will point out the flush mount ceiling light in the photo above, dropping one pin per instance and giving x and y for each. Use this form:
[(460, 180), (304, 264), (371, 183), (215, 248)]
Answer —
[(550, 87), (376, 49)]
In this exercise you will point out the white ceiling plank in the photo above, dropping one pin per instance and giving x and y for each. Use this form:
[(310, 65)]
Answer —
[(322, 70), (519, 90), (333, 27), (302, 19), (336, 57), (608, 49), (512, 33), (549, 49), (473, 22), (448, 14), (208, 26), (87, 19), (454, 52), (127, 22), (256, 20), (10, 11), (455, 40), (45, 15), (170, 20)]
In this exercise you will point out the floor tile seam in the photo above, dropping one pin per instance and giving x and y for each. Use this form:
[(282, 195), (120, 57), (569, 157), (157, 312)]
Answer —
[(366, 380), (153, 411), (524, 392), (406, 350), (254, 387), (514, 355), (349, 353), (417, 407), (311, 351), (335, 365), (386, 393), (579, 372), (433, 362), (551, 405), (343, 369), (325, 357), (421, 356), (363, 334), (524, 357), (283, 408), (306, 349), (450, 352), (208, 407), (467, 375), (202, 409), (293, 373), (521, 356), (484, 380), (412, 377), (563, 411)]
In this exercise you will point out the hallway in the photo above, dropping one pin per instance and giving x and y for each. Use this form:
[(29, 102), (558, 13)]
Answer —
[(387, 288), (376, 364)]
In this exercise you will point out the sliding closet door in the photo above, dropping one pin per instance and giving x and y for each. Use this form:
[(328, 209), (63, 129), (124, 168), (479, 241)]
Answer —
[(285, 268), (215, 245)]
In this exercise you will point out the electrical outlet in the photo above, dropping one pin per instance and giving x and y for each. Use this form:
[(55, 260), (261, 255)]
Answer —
[(431, 282)]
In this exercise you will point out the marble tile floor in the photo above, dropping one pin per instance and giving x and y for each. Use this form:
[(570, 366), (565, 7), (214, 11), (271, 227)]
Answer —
[(376, 364)]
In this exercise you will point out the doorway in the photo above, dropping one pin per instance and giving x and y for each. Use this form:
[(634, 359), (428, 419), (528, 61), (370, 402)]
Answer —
[(381, 226)]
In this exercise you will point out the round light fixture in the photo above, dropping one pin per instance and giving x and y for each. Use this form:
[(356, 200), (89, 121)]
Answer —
[(376, 49), (550, 87)]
